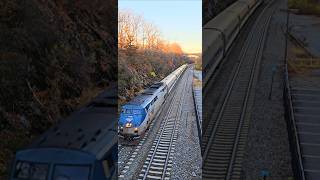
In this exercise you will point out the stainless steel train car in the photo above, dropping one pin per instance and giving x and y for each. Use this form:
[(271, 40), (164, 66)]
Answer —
[(220, 32), (171, 79), (83, 146), (137, 115)]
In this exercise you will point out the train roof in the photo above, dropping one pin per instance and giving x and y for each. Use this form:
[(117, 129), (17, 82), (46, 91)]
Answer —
[(221, 20), (92, 129), (157, 85), (144, 98)]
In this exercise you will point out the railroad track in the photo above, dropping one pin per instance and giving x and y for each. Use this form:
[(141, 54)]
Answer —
[(224, 139), (133, 152), (158, 164)]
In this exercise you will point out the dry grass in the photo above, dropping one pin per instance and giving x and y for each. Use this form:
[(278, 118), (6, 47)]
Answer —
[(305, 6), (198, 66), (303, 65), (300, 61), (299, 52), (197, 82)]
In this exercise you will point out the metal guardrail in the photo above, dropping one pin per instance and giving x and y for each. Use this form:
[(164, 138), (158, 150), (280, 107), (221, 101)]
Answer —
[(297, 165), (198, 118)]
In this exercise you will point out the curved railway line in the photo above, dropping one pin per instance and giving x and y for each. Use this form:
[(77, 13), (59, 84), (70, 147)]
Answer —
[(224, 139), (159, 161)]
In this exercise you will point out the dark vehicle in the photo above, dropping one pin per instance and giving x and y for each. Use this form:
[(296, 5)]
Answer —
[(82, 147)]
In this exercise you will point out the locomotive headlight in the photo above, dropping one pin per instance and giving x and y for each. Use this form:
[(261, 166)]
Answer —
[(128, 125)]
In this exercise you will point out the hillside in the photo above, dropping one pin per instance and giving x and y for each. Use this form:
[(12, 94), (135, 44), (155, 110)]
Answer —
[(141, 68), (144, 55), (55, 55)]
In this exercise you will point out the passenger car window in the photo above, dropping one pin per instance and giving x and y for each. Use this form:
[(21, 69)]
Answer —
[(71, 172), (147, 107), (30, 170)]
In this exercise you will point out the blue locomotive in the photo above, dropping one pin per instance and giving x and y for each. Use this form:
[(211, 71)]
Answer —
[(82, 147), (137, 115)]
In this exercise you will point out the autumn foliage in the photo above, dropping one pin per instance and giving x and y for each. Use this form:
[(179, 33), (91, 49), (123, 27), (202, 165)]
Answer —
[(144, 55), (134, 31), (55, 56)]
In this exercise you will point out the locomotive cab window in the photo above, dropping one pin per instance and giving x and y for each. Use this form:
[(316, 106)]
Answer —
[(131, 111), (147, 107), (127, 111), (29, 170), (136, 111)]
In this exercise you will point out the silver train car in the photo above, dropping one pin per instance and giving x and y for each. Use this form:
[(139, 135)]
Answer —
[(220, 32), (137, 115)]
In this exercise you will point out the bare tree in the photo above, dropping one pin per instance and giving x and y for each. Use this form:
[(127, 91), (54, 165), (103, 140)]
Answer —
[(133, 30)]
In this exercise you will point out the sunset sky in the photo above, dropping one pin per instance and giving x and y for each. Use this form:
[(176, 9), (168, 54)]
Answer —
[(179, 21)]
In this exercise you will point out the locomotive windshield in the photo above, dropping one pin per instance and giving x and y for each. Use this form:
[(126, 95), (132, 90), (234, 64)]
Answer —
[(30, 170), (132, 111), (39, 171)]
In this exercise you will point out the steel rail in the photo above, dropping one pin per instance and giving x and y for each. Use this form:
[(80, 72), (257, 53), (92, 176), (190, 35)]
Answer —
[(175, 125), (249, 42), (159, 139), (235, 75), (262, 41)]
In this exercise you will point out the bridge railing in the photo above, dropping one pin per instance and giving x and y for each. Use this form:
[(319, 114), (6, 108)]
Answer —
[(198, 116), (296, 161)]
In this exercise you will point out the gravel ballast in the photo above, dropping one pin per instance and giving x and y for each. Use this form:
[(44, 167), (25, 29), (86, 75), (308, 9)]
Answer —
[(267, 148)]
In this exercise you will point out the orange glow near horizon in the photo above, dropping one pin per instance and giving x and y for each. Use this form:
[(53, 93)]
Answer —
[(179, 22)]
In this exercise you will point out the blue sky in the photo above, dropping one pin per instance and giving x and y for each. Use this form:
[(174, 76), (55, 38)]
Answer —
[(179, 21)]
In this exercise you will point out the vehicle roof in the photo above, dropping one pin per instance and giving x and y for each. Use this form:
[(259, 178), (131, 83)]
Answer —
[(144, 98), (91, 129), (222, 20), (157, 85), (55, 156)]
